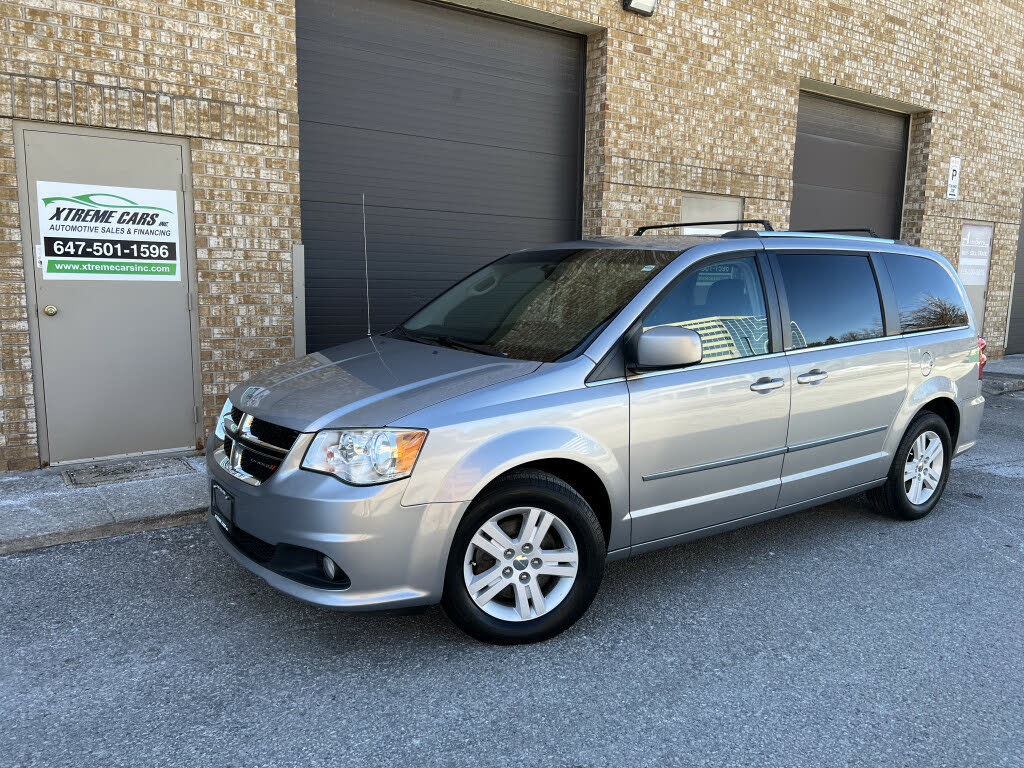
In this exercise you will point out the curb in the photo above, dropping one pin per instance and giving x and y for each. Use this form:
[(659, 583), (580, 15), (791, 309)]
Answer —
[(1001, 384), (105, 531)]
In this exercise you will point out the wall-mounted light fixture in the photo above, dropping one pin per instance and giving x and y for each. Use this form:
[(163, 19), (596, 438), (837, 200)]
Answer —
[(643, 7)]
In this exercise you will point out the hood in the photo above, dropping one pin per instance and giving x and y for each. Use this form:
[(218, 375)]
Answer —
[(368, 383)]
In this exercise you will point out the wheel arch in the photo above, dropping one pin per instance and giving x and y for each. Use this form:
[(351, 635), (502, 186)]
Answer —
[(584, 480), (937, 394), (594, 469), (945, 408)]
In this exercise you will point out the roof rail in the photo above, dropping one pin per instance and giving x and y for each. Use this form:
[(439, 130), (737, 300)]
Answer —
[(763, 222), (868, 232)]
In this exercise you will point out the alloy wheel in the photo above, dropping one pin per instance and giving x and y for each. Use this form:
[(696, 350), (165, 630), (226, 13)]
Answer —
[(923, 471), (521, 564)]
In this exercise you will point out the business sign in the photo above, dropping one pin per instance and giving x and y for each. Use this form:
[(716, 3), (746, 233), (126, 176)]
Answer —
[(975, 253), (92, 232), (953, 185)]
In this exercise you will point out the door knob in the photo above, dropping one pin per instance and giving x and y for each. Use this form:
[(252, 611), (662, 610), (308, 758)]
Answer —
[(49, 310)]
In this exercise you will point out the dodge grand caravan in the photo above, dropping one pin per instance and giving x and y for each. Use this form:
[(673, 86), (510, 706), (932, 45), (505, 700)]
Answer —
[(568, 405)]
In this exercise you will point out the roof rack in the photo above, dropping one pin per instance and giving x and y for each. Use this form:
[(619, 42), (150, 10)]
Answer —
[(763, 222), (868, 232)]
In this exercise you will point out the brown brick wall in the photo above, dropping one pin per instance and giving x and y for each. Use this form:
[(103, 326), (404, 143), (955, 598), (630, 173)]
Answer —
[(222, 74), (701, 98)]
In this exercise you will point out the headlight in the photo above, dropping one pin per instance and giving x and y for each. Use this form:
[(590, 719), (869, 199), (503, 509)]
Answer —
[(219, 429), (365, 456)]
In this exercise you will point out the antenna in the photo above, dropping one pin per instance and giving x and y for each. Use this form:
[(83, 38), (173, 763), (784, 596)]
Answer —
[(366, 268)]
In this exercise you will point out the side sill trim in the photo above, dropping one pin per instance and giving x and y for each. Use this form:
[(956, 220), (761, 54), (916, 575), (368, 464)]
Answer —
[(761, 454), (740, 522)]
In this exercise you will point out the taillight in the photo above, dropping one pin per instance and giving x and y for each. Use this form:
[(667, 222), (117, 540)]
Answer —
[(981, 356)]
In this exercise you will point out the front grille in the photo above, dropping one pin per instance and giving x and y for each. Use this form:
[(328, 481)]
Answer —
[(273, 434), (252, 547), (255, 448), (259, 465)]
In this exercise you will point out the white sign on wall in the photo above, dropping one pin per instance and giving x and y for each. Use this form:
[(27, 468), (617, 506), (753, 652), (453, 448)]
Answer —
[(953, 185), (92, 232), (975, 253)]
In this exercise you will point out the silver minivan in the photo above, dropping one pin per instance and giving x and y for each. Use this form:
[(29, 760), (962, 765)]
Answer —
[(568, 405)]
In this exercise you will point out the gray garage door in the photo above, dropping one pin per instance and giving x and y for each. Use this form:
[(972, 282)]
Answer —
[(464, 132), (849, 167)]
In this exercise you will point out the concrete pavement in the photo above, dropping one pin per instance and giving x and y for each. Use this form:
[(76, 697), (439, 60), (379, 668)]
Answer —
[(40, 508), (830, 637)]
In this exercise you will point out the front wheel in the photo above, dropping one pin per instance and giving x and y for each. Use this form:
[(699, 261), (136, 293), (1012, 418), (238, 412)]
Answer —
[(526, 561), (919, 470)]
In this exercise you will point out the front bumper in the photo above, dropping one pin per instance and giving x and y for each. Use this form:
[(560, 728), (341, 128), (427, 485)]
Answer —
[(395, 556)]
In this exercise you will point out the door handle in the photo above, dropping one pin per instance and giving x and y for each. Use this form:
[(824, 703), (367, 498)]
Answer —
[(812, 377), (766, 384)]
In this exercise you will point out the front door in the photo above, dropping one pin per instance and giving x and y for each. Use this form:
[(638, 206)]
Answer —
[(107, 245), (849, 378), (707, 442)]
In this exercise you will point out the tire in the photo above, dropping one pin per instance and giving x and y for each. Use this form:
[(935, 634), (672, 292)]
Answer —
[(527, 596), (897, 498)]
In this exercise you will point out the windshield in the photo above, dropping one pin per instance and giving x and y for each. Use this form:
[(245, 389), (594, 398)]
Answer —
[(538, 305)]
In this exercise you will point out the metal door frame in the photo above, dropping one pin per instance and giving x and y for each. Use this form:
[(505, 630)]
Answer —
[(24, 203)]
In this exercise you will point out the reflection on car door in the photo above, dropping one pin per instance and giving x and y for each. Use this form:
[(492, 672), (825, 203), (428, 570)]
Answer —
[(707, 442), (849, 378)]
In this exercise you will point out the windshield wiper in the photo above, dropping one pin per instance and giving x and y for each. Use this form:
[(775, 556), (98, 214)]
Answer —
[(442, 340)]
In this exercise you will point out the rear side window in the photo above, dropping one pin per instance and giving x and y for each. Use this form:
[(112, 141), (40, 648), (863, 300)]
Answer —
[(926, 295), (833, 298), (724, 303)]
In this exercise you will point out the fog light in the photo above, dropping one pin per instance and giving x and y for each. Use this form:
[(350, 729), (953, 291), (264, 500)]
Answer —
[(330, 567)]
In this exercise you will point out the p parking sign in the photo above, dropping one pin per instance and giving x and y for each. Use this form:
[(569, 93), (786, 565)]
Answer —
[(93, 232)]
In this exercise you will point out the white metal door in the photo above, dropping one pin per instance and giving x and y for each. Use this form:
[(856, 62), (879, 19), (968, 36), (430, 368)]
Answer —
[(975, 255)]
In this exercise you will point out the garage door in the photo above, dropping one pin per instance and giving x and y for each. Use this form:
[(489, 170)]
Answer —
[(464, 132), (849, 167)]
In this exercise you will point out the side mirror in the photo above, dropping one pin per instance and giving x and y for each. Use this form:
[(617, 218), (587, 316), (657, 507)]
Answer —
[(667, 346)]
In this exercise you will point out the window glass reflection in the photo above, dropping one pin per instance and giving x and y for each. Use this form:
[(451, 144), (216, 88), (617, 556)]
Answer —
[(724, 303), (926, 295), (833, 298)]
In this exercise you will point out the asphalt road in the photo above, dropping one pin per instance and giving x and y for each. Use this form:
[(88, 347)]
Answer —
[(831, 637)]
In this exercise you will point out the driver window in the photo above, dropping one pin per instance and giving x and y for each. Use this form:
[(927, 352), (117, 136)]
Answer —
[(724, 303)]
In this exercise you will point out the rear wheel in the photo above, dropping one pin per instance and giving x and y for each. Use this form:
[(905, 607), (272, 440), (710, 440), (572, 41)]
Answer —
[(919, 472), (526, 561)]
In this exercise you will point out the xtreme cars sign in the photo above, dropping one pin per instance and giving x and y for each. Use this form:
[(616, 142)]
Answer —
[(92, 232)]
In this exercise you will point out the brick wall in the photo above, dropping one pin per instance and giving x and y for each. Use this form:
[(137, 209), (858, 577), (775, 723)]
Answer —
[(702, 97), (222, 74)]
